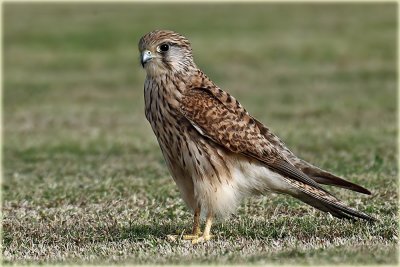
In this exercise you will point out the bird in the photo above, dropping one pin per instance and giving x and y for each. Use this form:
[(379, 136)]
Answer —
[(216, 152)]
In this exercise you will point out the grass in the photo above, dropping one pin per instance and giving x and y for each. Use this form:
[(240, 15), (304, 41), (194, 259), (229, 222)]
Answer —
[(83, 177)]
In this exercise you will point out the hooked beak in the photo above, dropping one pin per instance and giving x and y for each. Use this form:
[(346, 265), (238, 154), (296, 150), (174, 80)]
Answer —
[(145, 57)]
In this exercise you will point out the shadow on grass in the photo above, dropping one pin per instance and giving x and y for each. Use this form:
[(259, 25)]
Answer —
[(138, 232), (81, 233)]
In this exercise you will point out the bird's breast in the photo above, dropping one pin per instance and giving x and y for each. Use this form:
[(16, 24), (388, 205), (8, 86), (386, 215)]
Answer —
[(162, 111)]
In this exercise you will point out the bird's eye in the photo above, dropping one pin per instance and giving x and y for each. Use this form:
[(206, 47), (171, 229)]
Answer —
[(164, 47)]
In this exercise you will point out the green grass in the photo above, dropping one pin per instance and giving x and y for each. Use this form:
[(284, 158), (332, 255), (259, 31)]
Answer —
[(83, 177)]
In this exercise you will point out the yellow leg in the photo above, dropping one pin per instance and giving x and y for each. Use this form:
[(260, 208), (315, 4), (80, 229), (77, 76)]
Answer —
[(196, 229), (206, 235), (196, 226), (196, 222)]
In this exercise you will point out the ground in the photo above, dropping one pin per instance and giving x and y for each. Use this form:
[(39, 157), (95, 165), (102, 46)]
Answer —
[(84, 180)]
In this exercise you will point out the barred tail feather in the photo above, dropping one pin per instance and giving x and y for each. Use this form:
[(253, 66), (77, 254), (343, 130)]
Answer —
[(324, 201), (324, 177)]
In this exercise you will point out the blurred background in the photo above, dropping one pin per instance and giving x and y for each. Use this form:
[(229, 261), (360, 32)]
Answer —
[(321, 76)]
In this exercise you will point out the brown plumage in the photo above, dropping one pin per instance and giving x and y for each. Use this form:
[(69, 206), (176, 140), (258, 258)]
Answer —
[(215, 150)]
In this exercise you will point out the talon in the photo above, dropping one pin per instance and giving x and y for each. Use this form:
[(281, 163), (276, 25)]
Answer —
[(191, 237), (201, 239), (184, 237)]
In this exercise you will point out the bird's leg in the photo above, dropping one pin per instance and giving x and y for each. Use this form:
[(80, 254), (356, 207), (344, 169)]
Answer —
[(196, 226), (206, 235)]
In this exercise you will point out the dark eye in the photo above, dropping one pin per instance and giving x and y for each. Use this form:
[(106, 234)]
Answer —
[(164, 47)]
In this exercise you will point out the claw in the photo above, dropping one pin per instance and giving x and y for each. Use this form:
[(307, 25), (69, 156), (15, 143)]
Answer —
[(191, 237), (196, 236), (184, 237), (201, 239)]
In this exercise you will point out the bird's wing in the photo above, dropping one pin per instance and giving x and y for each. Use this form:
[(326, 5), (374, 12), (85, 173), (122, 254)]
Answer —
[(315, 173), (219, 117), (237, 131)]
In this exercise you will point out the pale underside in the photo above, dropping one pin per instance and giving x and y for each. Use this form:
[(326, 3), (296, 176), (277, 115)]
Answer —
[(221, 192)]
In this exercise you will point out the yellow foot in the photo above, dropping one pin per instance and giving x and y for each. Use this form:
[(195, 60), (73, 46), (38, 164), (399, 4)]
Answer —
[(191, 237), (201, 239), (184, 237)]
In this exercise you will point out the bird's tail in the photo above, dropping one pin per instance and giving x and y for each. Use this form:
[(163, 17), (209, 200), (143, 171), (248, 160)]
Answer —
[(324, 201), (324, 177)]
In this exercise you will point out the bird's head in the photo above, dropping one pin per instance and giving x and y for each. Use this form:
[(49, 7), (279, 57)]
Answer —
[(163, 51)]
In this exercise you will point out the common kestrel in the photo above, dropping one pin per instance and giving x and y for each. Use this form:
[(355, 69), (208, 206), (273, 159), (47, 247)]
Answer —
[(215, 150)]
